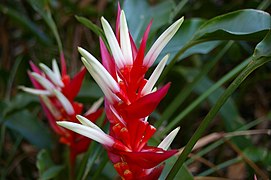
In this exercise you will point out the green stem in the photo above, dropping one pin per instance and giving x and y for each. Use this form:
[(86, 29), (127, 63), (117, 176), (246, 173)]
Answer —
[(188, 89), (254, 64)]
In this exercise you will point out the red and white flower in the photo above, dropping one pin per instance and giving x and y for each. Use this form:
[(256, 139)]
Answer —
[(57, 92), (129, 100)]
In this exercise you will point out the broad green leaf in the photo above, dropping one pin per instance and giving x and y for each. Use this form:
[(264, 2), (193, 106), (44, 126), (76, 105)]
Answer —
[(47, 168), (20, 101), (25, 23), (183, 36), (139, 14), (264, 47), (30, 128), (247, 24)]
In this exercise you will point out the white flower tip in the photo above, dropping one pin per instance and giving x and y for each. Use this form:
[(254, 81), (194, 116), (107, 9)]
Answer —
[(86, 122), (104, 22), (80, 118), (168, 140), (64, 102), (180, 21), (82, 51), (66, 124)]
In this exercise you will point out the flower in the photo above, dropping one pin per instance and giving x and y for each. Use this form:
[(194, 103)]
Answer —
[(147, 158), (57, 92), (129, 100)]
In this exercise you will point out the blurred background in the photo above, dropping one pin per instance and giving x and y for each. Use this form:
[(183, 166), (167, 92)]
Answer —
[(27, 33)]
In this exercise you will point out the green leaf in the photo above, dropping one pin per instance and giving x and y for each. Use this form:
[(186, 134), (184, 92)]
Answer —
[(183, 36), (264, 47), (47, 168), (247, 24), (20, 101), (30, 128), (139, 14)]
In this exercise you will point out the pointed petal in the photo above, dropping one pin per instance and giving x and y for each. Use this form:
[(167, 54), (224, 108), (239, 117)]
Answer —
[(88, 123), (125, 40), (149, 158), (153, 173), (64, 102), (154, 77), (161, 42), (89, 132), (101, 82), (141, 52), (107, 60), (56, 69), (54, 78), (95, 106), (168, 140), (34, 67), (97, 67), (35, 91), (118, 23), (133, 46), (52, 118), (53, 110), (73, 87), (113, 43), (145, 105), (43, 81)]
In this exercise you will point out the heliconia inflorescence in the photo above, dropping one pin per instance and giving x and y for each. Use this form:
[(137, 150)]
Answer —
[(57, 91), (129, 100)]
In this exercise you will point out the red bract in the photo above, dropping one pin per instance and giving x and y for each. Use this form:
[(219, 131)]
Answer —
[(57, 92), (129, 100)]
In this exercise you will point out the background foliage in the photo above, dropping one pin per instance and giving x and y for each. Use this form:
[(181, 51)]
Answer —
[(215, 43)]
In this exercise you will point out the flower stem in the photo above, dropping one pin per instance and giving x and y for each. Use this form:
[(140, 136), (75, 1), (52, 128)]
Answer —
[(254, 64)]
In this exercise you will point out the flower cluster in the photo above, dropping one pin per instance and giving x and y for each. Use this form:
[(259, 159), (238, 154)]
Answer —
[(129, 100), (57, 92)]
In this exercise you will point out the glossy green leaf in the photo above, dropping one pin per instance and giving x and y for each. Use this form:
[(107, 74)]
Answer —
[(183, 36), (30, 128), (263, 49), (139, 14), (247, 24)]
